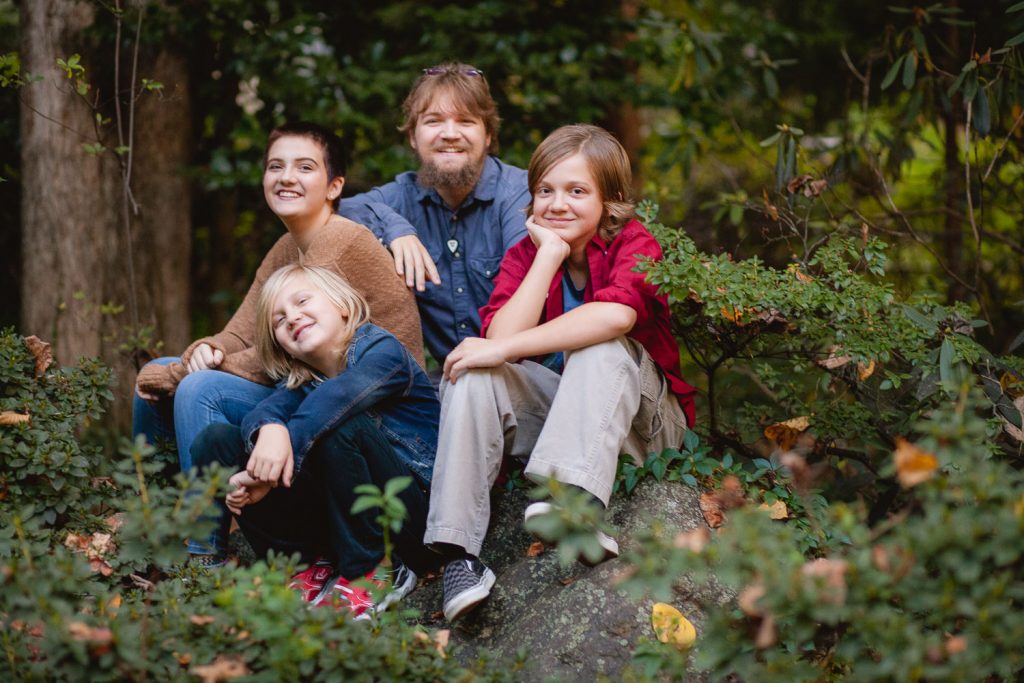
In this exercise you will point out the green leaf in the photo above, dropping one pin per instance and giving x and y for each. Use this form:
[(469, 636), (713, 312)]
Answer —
[(909, 70), (364, 503), (982, 114), (770, 140), (946, 355), (396, 485), (1016, 40), (1015, 8), (893, 71), (919, 319), (690, 440), (1015, 344)]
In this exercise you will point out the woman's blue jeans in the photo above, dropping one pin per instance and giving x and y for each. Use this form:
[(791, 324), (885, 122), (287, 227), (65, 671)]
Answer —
[(202, 398)]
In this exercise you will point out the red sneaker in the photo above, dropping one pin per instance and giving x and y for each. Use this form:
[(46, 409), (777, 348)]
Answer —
[(310, 583), (356, 598)]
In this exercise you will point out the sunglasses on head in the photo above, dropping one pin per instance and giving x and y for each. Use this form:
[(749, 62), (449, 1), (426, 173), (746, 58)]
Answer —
[(437, 71)]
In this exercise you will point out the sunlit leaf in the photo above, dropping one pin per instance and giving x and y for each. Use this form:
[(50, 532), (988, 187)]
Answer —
[(670, 626)]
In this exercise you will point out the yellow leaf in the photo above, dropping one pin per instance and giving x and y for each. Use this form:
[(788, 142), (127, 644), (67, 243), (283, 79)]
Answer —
[(913, 465), (776, 510), (865, 371), (785, 433), (672, 627), (9, 417)]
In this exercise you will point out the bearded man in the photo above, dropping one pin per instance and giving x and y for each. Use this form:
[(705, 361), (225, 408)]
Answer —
[(449, 223)]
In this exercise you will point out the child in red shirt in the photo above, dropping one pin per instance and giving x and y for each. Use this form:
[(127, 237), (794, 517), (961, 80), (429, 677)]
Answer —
[(604, 371)]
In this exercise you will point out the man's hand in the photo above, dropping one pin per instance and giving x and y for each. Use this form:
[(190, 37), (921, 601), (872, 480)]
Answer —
[(545, 239), (271, 458), (474, 352), (248, 491), (413, 262), (205, 357)]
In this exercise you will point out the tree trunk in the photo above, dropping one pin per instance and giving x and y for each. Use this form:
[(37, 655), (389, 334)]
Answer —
[(77, 285)]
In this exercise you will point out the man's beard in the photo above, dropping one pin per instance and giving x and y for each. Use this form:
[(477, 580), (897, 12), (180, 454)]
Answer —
[(462, 178)]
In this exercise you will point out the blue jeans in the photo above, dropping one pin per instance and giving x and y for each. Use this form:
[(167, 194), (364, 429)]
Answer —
[(202, 398)]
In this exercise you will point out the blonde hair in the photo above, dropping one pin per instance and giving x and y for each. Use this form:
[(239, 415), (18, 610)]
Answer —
[(468, 90), (605, 158), (275, 360)]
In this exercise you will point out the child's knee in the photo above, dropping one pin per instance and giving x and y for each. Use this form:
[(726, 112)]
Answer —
[(220, 443)]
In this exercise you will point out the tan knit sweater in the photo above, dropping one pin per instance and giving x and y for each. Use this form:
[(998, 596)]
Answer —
[(344, 247)]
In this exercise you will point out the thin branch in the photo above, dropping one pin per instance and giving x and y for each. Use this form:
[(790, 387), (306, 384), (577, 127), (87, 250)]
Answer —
[(974, 222), (1002, 146)]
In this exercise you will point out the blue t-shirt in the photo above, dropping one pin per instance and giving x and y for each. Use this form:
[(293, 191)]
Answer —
[(467, 244), (571, 298)]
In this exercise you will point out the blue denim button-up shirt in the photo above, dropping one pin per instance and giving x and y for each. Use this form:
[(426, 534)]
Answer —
[(489, 221), (380, 379)]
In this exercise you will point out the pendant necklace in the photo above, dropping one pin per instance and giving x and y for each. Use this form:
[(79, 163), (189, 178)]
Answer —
[(453, 244)]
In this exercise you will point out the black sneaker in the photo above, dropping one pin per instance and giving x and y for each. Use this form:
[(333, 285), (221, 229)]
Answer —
[(467, 583), (403, 582)]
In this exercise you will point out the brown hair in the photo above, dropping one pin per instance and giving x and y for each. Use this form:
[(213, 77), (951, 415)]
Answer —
[(330, 144), (605, 158), (468, 90), (277, 363)]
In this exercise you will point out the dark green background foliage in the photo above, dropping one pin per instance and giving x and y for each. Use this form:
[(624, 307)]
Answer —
[(839, 188)]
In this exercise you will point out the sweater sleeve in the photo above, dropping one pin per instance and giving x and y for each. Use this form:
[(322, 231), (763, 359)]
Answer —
[(351, 251)]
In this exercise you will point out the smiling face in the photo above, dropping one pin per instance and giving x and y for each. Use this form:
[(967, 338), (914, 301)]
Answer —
[(308, 325), (567, 201), (295, 182), (451, 144)]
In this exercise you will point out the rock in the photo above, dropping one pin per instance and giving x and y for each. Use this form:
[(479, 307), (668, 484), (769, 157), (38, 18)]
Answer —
[(572, 622)]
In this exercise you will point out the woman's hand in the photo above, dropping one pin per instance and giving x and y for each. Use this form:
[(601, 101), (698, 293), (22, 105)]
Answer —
[(475, 352), (205, 357), (413, 262), (546, 240), (271, 460), (248, 491)]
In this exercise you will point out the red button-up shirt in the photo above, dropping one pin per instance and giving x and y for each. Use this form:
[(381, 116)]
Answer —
[(612, 279)]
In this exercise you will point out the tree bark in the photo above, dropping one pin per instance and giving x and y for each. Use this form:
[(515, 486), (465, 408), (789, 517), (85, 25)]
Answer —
[(76, 251)]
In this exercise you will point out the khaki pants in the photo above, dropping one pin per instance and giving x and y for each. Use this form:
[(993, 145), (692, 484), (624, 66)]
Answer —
[(610, 399)]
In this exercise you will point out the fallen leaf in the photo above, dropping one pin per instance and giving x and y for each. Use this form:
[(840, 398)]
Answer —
[(732, 314), (833, 575), (776, 510), (90, 634), (242, 635), (804, 475), (223, 668), (765, 637), (183, 659), (441, 642), (115, 522), (535, 549), (815, 187), (985, 58), (41, 351), (712, 510), (880, 558), (748, 598), (567, 581), (785, 433), (694, 540), (201, 620), (773, 210), (834, 360), (865, 371), (670, 626), (955, 645), (803, 277), (913, 465), (9, 417), (798, 182)]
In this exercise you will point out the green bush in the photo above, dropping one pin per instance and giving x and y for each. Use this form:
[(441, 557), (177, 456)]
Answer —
[(933, 593), (93, 584)]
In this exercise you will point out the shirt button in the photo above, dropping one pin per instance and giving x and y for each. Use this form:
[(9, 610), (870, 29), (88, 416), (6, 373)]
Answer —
[(462, 325), (459, 290), (487, 272), (457, 254)]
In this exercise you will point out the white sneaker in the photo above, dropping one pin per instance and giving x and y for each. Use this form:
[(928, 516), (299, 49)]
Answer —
[(609, 544)]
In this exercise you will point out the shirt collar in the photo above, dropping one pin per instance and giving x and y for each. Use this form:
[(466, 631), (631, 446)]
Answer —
[(485, 190)]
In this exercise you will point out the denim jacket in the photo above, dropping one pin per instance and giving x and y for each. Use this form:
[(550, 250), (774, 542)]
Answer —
[(381, 380)]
